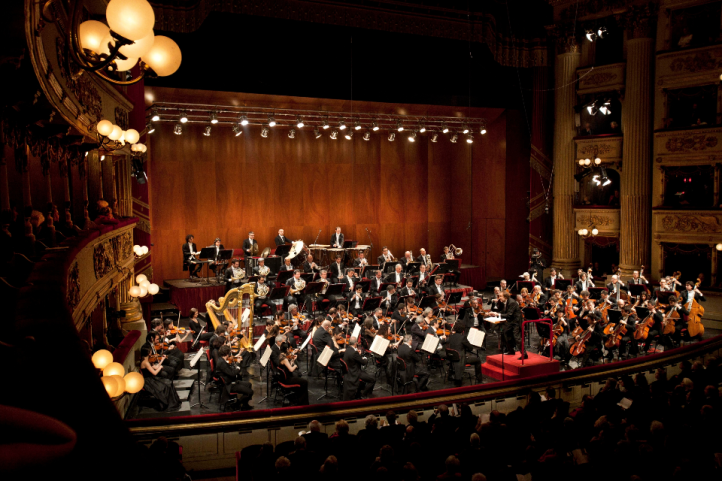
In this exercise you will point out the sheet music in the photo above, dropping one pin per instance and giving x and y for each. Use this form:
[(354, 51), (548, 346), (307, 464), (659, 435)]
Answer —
[(266, 356), (379, 345), (625, 403), (494, 320), (197, 356), (325, 356), (259, 343), (430, 344), (356, 331), (476, 337), (244, 317), (305, 343)]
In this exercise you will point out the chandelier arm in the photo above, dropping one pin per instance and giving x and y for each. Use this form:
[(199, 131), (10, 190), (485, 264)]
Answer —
[(143, 70), (81, 58)]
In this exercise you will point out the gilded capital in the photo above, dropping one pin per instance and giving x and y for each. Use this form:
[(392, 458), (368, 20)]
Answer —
[(639, 20)]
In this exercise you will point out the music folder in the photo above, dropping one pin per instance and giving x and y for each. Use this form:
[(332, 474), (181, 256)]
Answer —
[(325, 356), (266, 356), (356, 331), (379, 346), (430, 344), (259, 343), (476, 337), (278, 292)]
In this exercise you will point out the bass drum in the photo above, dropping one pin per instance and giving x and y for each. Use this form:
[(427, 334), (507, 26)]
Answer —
[(298, 253)]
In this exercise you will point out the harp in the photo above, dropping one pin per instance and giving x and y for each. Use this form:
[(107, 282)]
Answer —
[(231, 308)]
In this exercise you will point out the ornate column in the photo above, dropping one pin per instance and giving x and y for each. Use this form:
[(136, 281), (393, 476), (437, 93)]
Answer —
[(635, 189), (565, 252)]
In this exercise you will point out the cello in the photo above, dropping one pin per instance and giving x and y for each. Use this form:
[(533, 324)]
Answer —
[(581, 336), (668, 322), (696, 311), (615, 333), (643, 327)]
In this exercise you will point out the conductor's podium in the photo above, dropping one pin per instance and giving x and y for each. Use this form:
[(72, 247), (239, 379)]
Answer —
[(511, 368)]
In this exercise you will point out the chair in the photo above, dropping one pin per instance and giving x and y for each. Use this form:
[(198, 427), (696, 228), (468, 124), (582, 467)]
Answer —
[(283, 387), (452, 355), (214, 386), (401, 368)]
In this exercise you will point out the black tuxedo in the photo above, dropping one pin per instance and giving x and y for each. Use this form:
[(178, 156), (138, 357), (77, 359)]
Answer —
[(229, 374), (352, 304), (281, 240), (394, 300), (426, 261), (285, 267), (418, 336), (229, 274), (321, 339), (405, 262), (355, 375), (334, 241), (579, 287), (188, 265), (620, 288), (307, 267), (336, 269), (414, 368), (350, 285), (392, 278), (405, 292), (685, 294), (459, 343), (434, 290), (548, 282), (247, 245), (511, 329), (380, 260), (259, 302), (376, 284)]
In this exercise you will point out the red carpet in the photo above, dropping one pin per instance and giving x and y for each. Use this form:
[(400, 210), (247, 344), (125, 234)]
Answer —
[(536, 365)]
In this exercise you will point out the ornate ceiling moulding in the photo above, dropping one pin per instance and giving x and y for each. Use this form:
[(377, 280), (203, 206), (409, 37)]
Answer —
[(387, 15)]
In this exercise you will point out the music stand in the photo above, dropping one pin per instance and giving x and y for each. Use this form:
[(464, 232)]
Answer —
[(403, 298), (385, 287), (390, 267), (642, 312), (442, 268), (613, 316), (207, 253), (348, 244), (311, 289), (663, 297), (283, 250), (335, 290), (283, 276), (453, 299), (195, 362), (273, 263), (427, 301), (370, 268), (307, 276), (414, 280), (596, 292), (413, 266), (562, 284), (462, 313), (365, 285), (278, 292), (371, 303), (636, 289), (522, 284)]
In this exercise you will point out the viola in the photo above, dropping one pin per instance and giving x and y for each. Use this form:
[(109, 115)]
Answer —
[(153, 358), (443, 332)]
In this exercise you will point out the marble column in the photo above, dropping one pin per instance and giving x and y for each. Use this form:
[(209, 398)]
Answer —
[(635, 189), (565, 252)]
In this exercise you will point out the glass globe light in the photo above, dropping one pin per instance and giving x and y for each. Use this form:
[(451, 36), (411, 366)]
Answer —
[(140, 278), (134, 382), (124, 65), (718, 247), (597, 161), (136, 249), (580, 232), (91, 35), (145, 284), (104, 127), (581, 161), (144, 249), (120, 386), (585, 231), (110, 383), (101, 358), (132, 136), (114, 369), (134, 291), (595, 231), (144, 148), (587, 161), (140, 47), (132, 19), (164, 57), (116, 133), (153, 289), (143, 291)]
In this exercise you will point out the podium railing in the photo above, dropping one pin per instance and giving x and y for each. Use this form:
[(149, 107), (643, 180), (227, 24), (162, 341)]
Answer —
[(543, 321)]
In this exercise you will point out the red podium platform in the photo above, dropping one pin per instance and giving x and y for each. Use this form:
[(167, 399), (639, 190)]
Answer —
[(535, 365)]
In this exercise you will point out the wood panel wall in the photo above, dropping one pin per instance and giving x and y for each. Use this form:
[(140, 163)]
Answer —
[(408, 195)]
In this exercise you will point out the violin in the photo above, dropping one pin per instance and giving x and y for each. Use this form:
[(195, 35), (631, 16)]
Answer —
[(154, 358), (177, 330), (161, 346)]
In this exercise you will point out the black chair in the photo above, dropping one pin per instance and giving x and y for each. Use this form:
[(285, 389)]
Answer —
[(453, 357), (401, 368), (215, 385), (282, 386)]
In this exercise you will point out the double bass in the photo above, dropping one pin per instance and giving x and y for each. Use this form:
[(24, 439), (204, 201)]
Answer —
[(696, 311)]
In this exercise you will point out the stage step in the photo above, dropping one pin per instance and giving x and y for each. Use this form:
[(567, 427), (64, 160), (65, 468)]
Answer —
[(185, 410), (512, 368), (183, 384), (184, 394)]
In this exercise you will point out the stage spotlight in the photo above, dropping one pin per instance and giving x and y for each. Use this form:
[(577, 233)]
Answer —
[(412, 137), (317, 133), (374, 126), (605, 107), (469, 139), (367, 135), (399, 127), (271, 121), (592, 108), (605, 179), (244, 120), (149, 128), (264, 131), (214, 118), (466, 129), (137, 171), (349, 134), (435, 137), (207, 131), (591, 35), (292, 134), (357, 125), (342, 125), (154, 116), (183, 117), (299, 122), (482, 130), (422, 127), (444, 128), (178, 129), (237, 130), (334, 134), (454, 138), (325, 124), (102, 158), (596, 180), (392, 136), (601, 32)]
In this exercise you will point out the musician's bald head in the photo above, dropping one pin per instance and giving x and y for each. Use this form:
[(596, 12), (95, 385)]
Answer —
[(326, 325)]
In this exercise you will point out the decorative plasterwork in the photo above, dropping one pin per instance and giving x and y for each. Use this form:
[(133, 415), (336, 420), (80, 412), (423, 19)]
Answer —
[(606, 78), (691, 226), (688, 145), (689, 68), (609, 149), (72, 293), (606, 220)]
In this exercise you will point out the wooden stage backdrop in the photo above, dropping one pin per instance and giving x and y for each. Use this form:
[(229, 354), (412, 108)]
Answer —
[(409, 195)]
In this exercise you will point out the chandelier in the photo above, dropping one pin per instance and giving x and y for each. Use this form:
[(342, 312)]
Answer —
[(126, 41)]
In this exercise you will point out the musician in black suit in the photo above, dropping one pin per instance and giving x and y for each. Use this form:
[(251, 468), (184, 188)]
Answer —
[(615, 288), (281, 239), (425, 259), (337, 239), (436, 288), (286, 266), (249, 243), (355, 375), (230, 374), (551, 280), (414, 367), (397, 277), (472, 319), (458, 342), (361, 260), (424, 280), (407, 259), (385, 257), (337, 268), (389, 299), (310, 266), (511, 330), (323, 338), (376, 283), (418, 335), (214, 263), (409, 290), (234, 275), (294, 297), (691, 291), (189, 251), (356, 301), (584, 283)]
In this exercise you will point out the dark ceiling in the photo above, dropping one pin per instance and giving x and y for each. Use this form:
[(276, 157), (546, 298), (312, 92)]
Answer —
[(254, 54)]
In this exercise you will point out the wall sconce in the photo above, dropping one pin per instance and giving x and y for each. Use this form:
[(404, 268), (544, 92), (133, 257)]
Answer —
[(127, 40), (143, 287), (591, 231), (117, 383), (140, 251)]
